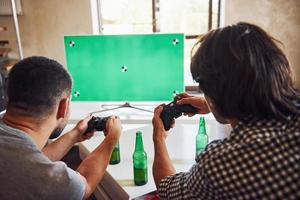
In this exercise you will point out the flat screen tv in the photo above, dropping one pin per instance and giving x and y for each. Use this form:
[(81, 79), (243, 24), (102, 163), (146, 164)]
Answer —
[(144, 67)]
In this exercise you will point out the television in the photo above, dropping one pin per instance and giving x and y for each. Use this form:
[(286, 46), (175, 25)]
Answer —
[(137, 67)]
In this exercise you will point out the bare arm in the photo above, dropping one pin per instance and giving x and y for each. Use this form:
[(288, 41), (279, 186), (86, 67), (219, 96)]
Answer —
[(94, 165), (162, 164), (57, 149)]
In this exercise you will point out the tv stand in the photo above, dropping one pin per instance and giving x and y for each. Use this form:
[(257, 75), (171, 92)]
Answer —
[(125, 105)]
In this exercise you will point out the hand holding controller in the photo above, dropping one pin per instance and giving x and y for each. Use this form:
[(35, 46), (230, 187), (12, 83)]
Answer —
[(173, 110), (97, 123)]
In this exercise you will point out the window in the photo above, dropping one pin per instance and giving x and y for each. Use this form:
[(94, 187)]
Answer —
[(126, 16), (191, 17)]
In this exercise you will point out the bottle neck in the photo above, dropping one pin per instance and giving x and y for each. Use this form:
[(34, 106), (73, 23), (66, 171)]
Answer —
[(202, 129), (139, 142)]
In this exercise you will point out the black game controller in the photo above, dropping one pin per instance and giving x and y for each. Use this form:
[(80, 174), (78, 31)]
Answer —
[(96, 124), (173, 110)]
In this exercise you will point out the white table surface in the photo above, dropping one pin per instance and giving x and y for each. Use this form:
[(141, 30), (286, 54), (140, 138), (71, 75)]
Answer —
[(180, 142)]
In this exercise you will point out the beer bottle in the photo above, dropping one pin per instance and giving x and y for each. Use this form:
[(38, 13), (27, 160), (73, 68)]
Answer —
[(115, 156), (201, 138), (140, 167)]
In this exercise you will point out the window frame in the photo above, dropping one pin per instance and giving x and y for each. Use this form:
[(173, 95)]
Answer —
[(155, 8), (97, 21)]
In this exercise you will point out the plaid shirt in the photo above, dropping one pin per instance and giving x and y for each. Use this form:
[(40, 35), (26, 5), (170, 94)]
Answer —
[(259, 160)]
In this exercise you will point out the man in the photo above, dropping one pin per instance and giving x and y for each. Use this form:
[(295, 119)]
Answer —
[(38, 108), (246, 81)]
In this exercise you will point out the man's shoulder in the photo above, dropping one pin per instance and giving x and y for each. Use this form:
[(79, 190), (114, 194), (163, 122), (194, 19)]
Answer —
[(58, 177), (25, 167), (250, 141), (36, 174), (221, 151)]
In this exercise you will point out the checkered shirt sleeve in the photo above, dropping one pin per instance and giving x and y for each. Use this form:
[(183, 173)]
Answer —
[(259, 160), (189, 184)]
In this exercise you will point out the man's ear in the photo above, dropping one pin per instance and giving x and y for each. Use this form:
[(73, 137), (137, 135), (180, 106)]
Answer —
[(62, 110)]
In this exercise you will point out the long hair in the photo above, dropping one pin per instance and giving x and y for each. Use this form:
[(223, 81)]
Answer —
[(245, 73)]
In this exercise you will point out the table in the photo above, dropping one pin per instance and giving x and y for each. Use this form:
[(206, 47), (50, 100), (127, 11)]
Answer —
[(180, 142)]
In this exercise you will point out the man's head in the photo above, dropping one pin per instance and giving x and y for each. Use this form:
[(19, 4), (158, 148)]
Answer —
[(244, 73), (36, 87)]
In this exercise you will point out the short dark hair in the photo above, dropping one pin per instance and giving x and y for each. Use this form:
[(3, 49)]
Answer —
[(36, 84), (242, 70)]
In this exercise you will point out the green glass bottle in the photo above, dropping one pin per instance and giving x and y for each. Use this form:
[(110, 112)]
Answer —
[(201, 138), (115, 156), (140, 167)]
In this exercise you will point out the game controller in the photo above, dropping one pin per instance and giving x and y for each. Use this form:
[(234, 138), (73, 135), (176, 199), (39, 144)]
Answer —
[(97, 124), (173, 110)]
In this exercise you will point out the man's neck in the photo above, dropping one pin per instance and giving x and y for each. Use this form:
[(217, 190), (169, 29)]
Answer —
[(34, 128)]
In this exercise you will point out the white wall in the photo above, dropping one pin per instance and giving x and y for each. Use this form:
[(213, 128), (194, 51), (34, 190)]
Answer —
[(280, 18), (45, 22)]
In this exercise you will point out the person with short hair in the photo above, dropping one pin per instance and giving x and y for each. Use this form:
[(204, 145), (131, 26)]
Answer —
[(39, 91), (247, 82)]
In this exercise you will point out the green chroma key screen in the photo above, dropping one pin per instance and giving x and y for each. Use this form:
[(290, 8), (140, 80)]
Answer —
[(146, 67)]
